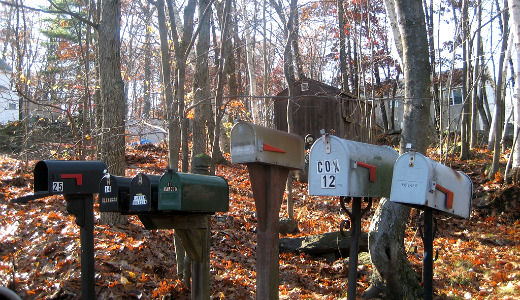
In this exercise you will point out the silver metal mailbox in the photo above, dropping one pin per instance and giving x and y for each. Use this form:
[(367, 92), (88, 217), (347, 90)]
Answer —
[(339, 167), (420, 181), (257, 144)]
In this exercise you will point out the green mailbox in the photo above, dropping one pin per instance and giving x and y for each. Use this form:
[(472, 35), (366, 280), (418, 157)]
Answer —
[(189, 192)]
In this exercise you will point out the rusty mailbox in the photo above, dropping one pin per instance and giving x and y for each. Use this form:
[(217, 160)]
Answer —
[(269, 155), (420, 181), (339, 167), (257, 144)]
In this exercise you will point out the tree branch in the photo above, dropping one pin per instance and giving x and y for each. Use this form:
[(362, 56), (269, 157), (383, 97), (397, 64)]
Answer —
[(73, 14)]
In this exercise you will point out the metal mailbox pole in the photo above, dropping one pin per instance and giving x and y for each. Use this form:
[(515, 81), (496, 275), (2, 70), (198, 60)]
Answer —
[(77, 181), (354, 248), (428, 254), (421, 182), (81, 206)]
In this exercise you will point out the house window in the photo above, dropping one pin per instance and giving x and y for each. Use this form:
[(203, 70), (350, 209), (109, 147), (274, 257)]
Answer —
[(455, 96), (12, 106)]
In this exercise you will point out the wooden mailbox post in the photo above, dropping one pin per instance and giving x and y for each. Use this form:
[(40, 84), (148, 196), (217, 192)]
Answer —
[(269, 155)]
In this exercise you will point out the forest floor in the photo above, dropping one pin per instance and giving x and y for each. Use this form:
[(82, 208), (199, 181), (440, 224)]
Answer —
[(478, 258)]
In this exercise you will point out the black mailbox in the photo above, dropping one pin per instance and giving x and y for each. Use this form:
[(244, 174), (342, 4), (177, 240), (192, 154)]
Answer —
[(78, 181), (114, 193), (67, 177), (143, 193)]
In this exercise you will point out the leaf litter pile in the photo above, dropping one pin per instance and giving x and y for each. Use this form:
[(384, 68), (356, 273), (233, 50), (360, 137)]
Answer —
[(40, 245)]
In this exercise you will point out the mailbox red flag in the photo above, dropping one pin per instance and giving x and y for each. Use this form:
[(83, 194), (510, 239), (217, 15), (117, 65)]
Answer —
[(78, 177), (267, 147)]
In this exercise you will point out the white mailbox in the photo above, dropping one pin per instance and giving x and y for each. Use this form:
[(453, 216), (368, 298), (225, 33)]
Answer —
[(339, 167), (257, 144), (420, 181)]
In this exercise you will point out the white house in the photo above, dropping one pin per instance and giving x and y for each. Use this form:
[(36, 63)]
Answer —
[(451, 108), (8, 98)]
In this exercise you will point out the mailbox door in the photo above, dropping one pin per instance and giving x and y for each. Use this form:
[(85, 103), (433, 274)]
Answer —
[(257, 144), (412, 179), (420, 181), (68, 177), (329, 170), (193, 193), (114, 193), (453, 191), (143, 193), (339, 167)]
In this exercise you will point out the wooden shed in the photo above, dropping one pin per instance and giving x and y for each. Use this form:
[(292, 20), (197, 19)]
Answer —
[(319, 106)]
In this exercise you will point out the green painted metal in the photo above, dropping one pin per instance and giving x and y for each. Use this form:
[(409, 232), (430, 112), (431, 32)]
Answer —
[(193, 193)]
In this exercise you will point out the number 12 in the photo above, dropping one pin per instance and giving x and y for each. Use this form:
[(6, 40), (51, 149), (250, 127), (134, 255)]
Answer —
[(328, 182)]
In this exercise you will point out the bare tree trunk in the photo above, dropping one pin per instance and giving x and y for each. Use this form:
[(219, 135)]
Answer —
[(498, 119), (201, 84), (393, 274), (514, 10), (112, 96), (342, 54), (147, 84), (219, 111), (476, 79), (171, 108), (466, 110), (250, 64)]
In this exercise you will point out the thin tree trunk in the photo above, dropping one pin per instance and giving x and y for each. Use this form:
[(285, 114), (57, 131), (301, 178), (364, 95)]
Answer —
[(342, 53), (476, 78), (201, 84), (466, 110), (514, 10), (498, 119)]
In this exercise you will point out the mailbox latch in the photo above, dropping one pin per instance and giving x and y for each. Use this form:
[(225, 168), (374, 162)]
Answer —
[(326, 140)]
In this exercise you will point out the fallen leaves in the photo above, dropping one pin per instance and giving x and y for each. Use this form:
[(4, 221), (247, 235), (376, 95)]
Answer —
[(39, 246)]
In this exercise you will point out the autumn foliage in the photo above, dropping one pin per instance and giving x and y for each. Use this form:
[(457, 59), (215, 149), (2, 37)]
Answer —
[(39, 245)]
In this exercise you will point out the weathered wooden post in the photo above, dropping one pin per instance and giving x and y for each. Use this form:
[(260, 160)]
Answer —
[(426, 184), (180, 201), (339, 167), (269, 155)]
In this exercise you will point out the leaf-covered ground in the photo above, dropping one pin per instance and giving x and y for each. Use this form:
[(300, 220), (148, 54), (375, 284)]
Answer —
[(39, 244)]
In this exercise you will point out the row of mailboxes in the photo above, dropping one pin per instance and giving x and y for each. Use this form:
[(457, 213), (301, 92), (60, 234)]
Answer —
[(339, 167), (173, 191)]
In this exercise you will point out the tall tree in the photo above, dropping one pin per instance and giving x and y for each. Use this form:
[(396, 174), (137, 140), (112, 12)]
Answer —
[(112, 94), (392, 273), (201, 84), (498, 118), (514, 11)]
